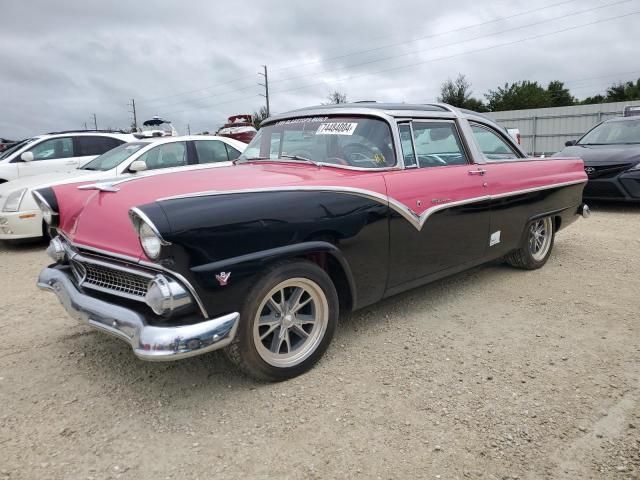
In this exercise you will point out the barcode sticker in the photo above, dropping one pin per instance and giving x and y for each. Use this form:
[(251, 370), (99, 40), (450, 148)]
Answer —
[(338, 128)]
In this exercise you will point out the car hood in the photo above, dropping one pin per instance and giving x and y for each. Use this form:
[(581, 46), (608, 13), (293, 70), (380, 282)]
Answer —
[(594, 155), (99, 219), (48, 179)]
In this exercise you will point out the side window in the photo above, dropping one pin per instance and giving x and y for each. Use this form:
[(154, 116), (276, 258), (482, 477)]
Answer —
[(53, 149), (407, 145), (88, 146), (165, 156), (437, 144), (232, 153), (211, 151), (492, 145)]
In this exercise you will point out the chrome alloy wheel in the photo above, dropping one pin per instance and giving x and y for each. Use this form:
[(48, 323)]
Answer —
[(540, 235), (291, 322)]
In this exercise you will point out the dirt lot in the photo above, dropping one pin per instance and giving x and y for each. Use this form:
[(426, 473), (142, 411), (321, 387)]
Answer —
[(495, 373)]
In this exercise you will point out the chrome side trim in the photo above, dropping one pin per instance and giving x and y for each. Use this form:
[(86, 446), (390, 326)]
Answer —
[(417, 220)]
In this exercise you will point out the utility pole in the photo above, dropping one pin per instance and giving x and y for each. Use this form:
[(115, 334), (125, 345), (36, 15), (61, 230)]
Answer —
[(95, 122), (133, 111), (85, 125), (266, 87), (188, 129)]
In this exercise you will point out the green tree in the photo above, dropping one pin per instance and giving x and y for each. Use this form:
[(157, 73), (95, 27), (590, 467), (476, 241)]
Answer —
[(259, 116), (518, 96), (458, 93), (623, 91), (559, 96)]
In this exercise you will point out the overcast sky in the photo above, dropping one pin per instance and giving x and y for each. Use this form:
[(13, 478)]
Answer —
[(196, 62)]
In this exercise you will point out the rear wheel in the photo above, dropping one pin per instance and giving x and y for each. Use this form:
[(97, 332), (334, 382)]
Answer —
[(287, 322), (537, 245)]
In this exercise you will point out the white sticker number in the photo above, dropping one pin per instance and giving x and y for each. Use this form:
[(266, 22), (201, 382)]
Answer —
[(338, 128)]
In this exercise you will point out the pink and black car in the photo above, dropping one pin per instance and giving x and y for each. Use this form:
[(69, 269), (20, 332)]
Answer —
[(329, 209)]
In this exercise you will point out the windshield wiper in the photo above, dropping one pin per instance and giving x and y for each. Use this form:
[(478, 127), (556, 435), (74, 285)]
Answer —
[(301, 159)]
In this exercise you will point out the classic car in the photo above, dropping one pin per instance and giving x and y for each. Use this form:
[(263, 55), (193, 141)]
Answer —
[(20, 217), (611, 154), (329, 209)]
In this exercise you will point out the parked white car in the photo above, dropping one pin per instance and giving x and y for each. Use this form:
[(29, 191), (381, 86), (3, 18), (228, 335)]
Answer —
[(56, 152), (20, 217)]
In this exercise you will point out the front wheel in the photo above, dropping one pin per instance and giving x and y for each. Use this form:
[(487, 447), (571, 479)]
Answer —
[(537, 245), (286, 323)]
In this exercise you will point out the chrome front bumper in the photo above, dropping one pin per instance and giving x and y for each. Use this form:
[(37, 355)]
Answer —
[(148, 342)]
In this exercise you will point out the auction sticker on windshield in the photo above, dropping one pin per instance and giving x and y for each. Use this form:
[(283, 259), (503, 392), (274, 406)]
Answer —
[(339, 128)]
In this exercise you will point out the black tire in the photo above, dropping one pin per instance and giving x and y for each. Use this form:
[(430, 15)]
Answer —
[(243, 351), (525, 258)]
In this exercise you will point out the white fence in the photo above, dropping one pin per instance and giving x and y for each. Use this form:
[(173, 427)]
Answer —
[(545, 130)]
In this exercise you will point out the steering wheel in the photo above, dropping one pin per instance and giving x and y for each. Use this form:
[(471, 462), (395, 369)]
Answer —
[(358, 151)]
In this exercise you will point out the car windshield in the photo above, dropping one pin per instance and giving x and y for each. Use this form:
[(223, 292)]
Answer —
[(339, 140), (113, 158), (16, 147), (613, 133)]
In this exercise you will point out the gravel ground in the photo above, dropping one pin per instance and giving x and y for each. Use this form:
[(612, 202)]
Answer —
[(495, 373)]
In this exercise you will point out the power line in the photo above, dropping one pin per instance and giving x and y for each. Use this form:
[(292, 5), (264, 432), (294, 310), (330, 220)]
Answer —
[(513, 42), (393, 57), (495, 20)]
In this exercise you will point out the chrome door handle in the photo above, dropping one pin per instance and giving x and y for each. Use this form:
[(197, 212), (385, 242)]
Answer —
[(480, 172)]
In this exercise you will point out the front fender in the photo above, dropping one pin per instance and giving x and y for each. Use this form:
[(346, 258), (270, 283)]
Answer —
[(241, 271)]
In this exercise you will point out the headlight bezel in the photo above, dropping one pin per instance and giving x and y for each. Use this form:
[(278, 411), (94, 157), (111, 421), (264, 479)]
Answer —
[(49, 213), (150, 239), (12, 197)]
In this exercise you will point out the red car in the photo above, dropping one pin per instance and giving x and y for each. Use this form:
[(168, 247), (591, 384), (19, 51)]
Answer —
[(329, 209)]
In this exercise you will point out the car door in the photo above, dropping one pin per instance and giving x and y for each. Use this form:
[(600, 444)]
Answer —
[(88, 147), (50, 155), (446, 219), (508, 172)]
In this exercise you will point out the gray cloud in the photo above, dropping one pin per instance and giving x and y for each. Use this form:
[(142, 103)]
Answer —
[(62, 61)]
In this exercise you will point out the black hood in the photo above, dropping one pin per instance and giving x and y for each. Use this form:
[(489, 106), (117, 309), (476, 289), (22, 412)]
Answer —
[(594, 155)]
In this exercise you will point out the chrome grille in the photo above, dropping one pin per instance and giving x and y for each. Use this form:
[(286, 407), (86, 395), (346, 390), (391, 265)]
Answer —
[(123, 282)]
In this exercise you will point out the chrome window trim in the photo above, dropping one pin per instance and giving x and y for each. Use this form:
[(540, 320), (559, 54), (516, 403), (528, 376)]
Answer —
[(469, 160), (417, 220), (357, 112), (516, 150)]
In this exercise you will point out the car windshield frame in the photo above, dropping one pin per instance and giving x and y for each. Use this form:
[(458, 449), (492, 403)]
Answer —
[(114, 155), (608, 129), (319, 134)]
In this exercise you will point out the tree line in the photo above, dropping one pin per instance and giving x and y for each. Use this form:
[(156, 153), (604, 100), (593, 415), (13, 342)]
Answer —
[(527, 94)]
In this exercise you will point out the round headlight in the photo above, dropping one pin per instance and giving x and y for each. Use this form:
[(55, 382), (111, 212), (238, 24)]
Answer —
[(150, 242)]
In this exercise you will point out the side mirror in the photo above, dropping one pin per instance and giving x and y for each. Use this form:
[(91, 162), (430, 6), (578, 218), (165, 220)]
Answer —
[(570, 143), (138, 166), (27, 157)]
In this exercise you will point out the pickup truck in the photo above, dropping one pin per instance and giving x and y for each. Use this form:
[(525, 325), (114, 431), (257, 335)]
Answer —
[(329, 209)]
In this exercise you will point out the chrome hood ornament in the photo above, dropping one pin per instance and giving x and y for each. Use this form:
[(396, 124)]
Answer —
[(103, 187)]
